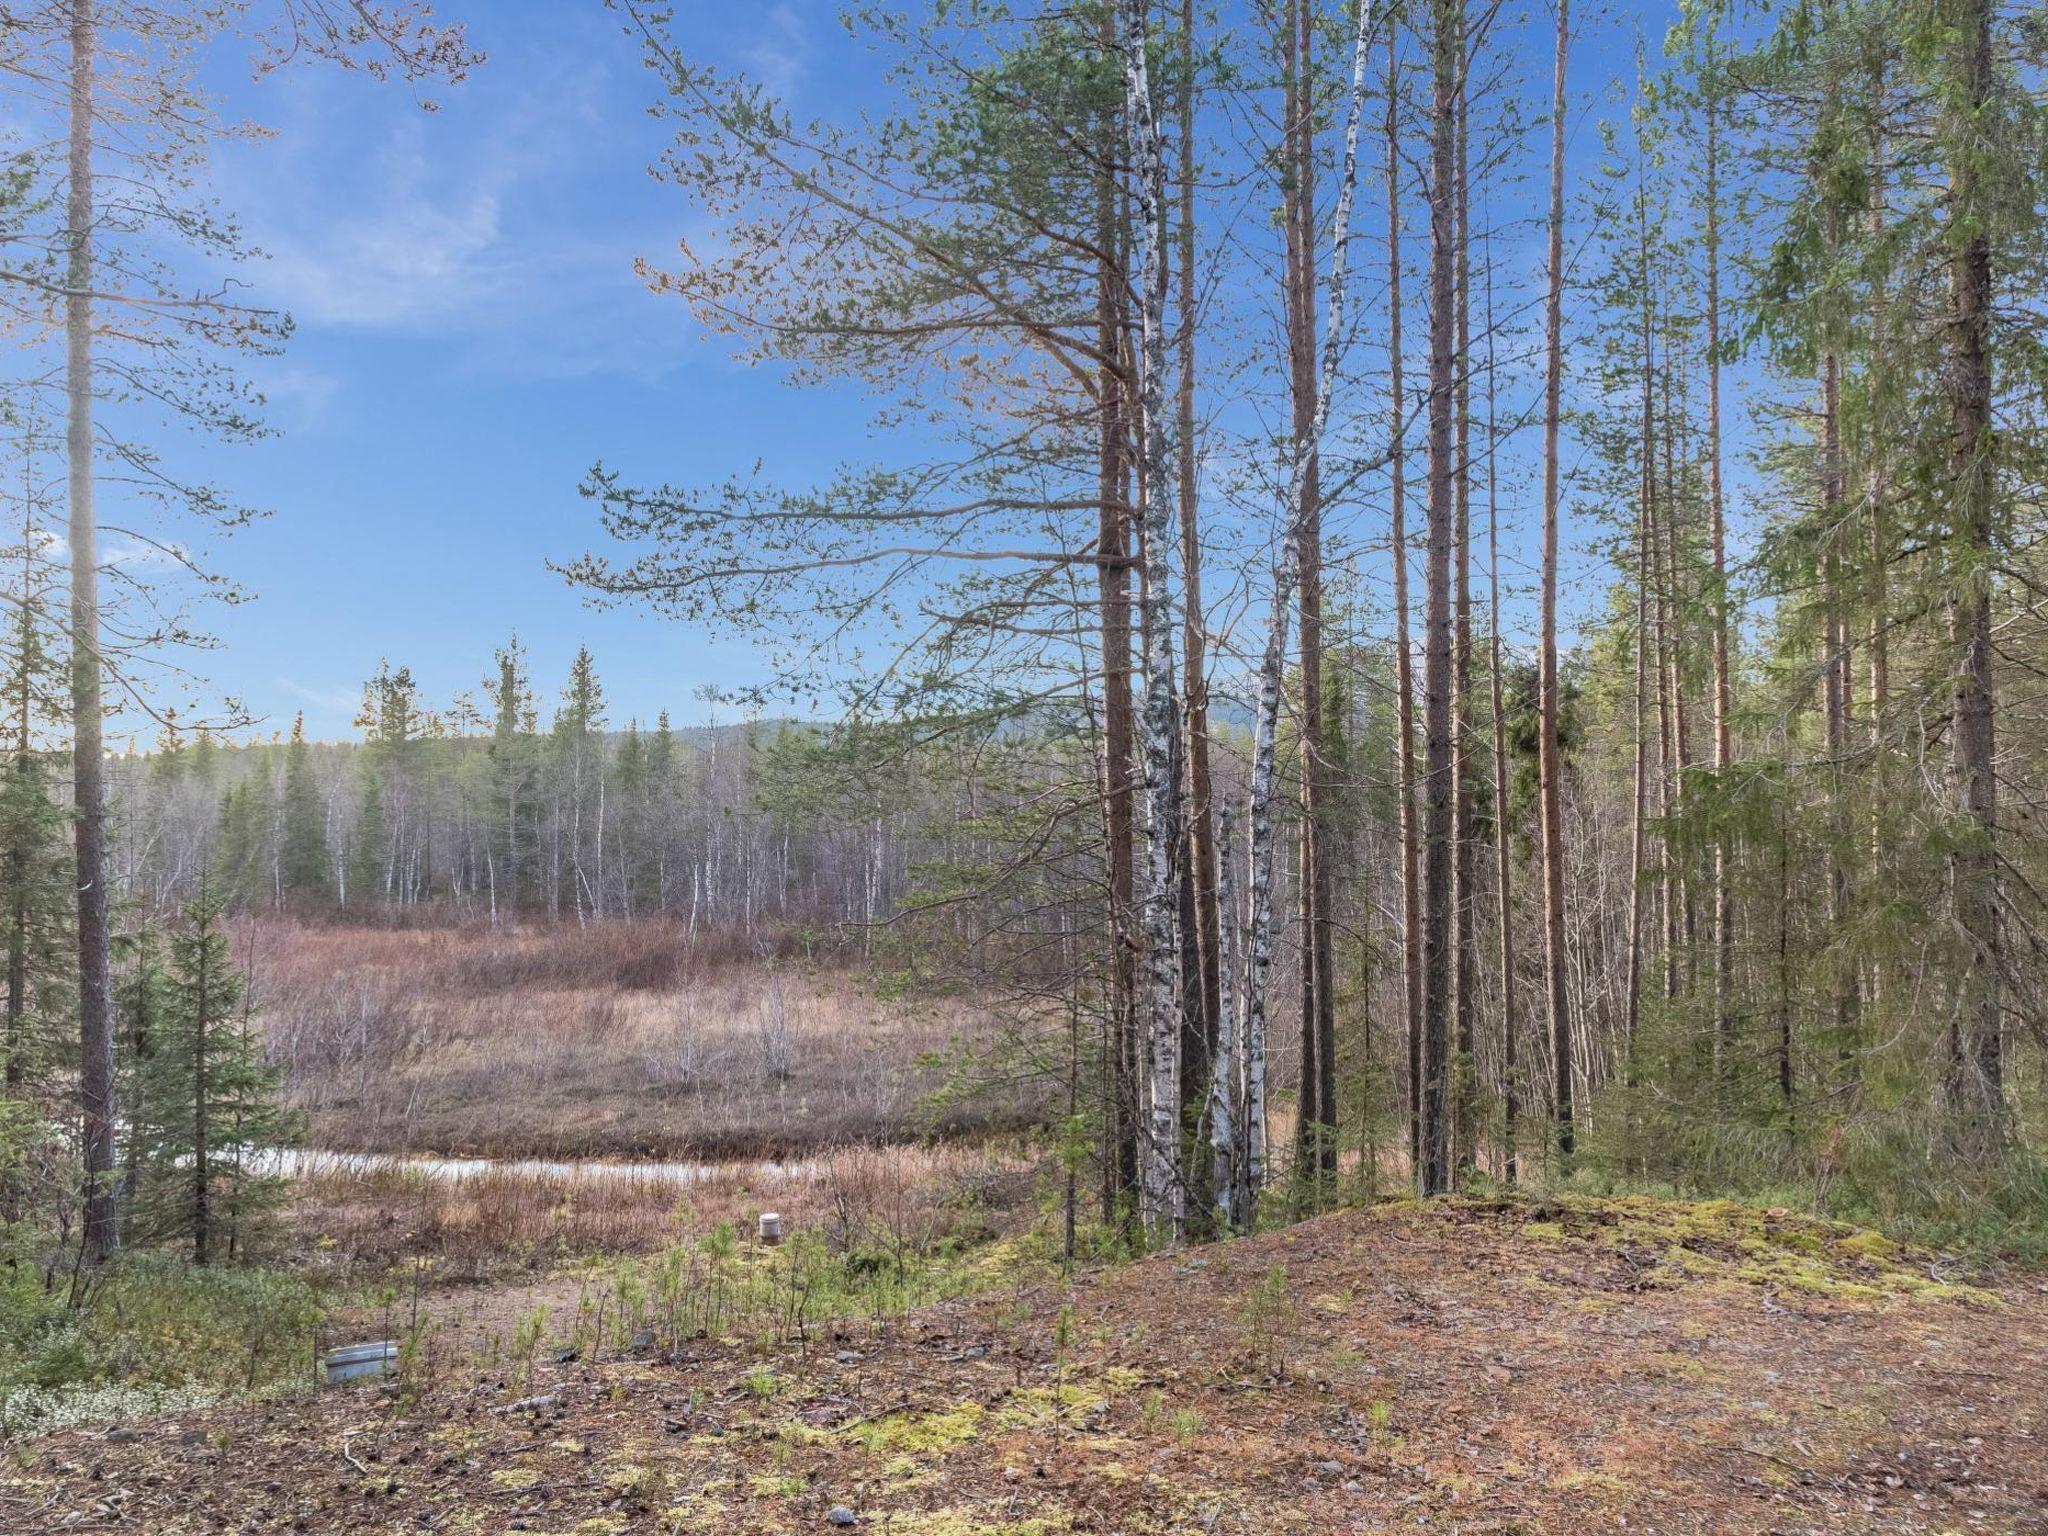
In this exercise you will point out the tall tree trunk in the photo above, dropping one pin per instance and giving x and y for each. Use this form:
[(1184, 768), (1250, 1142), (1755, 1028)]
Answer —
[(1315, 1126), (1645, 517), (1976, 1066), (1549, 762), (1120, 1166), (1839, 677), (1503, 852), (24, 767), (1664, 513), (1876, 514), (1724, 697), (1161, 1191), (1202, 1003), (202, 1136), (1272, 666), (1228, 1099), (1440, 768), (1681, 717), (1404, 656), (1464, 846), (88, 772)]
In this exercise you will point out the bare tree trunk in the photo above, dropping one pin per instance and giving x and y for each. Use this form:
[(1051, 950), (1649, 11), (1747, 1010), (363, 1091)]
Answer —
[(1785, 1067), (88, 773), (1681, 720), (1228, 1099), (1877, 521), (1440, 768), (1645, 519), (1839, 684), (1202, 1003), (1160, 1188), (1503, 851), (1976, 1065), (202, 1136), (1464, 845), (1120, 1167), (1724, 697), (1272, 668), (1663, 511), (1404, 659), (1315, 1143), (24, 766), (1550, 765)]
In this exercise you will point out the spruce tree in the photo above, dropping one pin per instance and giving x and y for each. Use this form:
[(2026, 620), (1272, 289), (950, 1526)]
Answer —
[(209, 1103), (140, 1009), (302, 857), (580, 761), (35, 859), (242, 868), (511, 750)]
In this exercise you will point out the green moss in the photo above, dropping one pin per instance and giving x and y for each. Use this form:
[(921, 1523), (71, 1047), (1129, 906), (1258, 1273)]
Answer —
[(903, 1434), (1728, 1241), (1871, 1245), (960, 1521), (1041, 1405)]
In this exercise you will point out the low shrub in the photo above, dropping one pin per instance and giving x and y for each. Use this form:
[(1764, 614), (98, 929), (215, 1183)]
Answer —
[(151, 1334)]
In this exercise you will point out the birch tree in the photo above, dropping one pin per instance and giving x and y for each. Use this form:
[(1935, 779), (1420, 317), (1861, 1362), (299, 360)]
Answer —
[(1161, 1191), (1305, 446)]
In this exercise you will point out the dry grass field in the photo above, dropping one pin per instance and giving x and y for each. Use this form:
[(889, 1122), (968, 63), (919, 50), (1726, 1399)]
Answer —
[(508, 1224), (616, 1040)]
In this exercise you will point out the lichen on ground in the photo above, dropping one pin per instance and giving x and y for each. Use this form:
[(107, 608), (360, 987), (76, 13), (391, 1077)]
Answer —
[(1672, 1241)]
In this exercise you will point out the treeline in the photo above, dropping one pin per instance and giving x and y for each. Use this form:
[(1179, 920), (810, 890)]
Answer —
[(514, 810)]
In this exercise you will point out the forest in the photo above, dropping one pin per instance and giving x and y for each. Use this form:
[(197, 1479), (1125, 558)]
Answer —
[(1393, 656)]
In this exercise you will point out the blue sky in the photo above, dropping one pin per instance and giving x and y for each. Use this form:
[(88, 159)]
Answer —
[(471, 337)]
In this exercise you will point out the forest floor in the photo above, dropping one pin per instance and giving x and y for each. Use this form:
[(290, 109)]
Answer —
[(1567, 1366)]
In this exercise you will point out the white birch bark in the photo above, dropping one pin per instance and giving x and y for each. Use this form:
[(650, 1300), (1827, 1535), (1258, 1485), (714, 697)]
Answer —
[(1226, 1069), (1272, 666), (1160, 1186)]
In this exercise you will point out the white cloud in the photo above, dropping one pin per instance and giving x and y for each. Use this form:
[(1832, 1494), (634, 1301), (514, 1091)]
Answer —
[(779, 59), (416, 256), (375, 216), (505, 225), (299, 396), (341, 702)]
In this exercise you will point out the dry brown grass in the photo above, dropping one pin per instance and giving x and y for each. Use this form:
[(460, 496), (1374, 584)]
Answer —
[(892, 1202), (616, 1040)]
